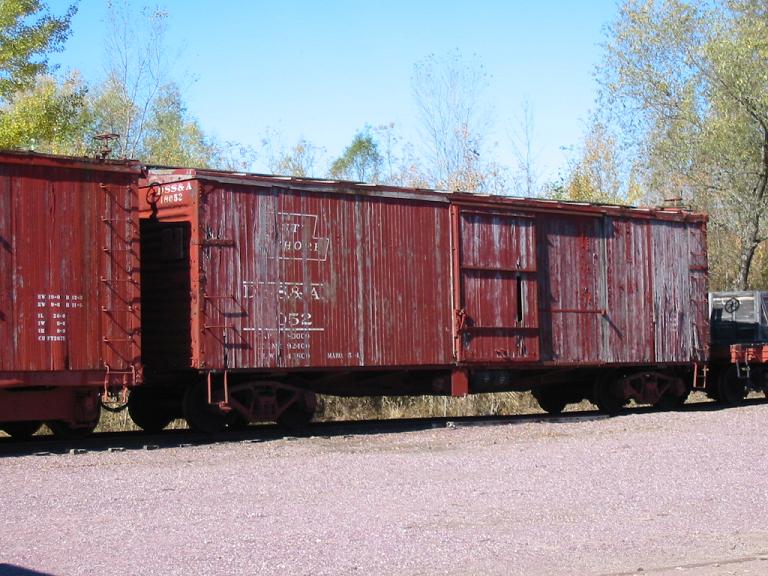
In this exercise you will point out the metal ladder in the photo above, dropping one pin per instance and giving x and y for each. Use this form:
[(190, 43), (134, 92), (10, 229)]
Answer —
[(118, 291)]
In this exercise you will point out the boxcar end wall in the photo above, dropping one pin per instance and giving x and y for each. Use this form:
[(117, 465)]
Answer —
[(69, 285)]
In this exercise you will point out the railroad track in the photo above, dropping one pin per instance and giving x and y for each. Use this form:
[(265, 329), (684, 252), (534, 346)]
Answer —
[(46, 445)]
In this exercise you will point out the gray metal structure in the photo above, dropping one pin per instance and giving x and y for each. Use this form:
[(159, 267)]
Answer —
[(738, 317)]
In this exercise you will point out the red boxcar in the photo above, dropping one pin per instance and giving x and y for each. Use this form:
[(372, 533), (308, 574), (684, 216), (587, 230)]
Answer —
[(257, 287), (69, 288)]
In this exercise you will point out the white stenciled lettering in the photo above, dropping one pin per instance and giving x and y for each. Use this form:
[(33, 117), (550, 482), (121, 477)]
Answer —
[(173, 193), (295, 319), (292, 291), (52, 325), (298, 346), (299, 237), (297, 336)]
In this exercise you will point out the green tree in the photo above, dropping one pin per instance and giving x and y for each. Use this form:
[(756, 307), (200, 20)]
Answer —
[(360, 161), (36, 110), (173, 138), (51, 116), (688, 83), (28, 33)]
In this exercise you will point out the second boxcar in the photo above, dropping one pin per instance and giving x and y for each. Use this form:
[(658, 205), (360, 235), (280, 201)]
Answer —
[(259, 290)]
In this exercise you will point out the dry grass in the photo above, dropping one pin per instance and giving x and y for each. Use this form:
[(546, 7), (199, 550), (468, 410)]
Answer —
[(121, 422), (334, 408)]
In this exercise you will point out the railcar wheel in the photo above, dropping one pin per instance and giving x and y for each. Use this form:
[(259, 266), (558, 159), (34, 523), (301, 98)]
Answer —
[(299, 409), (199, 414), (147, 410), (550, 399), (66, 431), (671, 401), (295, 416), (606, 396), (237, 421), (731, 390), (21, 430)]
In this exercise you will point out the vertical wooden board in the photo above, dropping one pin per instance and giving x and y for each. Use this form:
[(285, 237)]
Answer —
[(38, 287), (629, 317), (700, 338), (697, 242), (697, 239), (7, 273), (569, 249), (671, 292), (261, 287)]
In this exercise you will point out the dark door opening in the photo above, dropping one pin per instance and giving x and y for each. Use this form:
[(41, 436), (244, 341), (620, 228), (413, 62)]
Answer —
[(165, 295)]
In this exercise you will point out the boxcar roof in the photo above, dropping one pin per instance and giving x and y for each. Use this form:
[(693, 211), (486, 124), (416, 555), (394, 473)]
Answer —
[(30, 158), (425, 194)]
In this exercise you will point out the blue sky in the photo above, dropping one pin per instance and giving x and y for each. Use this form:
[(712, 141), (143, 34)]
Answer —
[(322, 70)]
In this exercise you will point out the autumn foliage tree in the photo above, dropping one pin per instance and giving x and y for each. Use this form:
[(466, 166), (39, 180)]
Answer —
[(688, 82), (597, 173)]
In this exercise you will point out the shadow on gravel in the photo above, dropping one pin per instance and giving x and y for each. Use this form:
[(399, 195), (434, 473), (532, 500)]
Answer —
[(11, 570), (137, 440)]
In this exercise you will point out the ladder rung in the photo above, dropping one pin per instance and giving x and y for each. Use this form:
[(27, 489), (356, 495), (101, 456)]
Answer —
[(107, 280), (130, 220)]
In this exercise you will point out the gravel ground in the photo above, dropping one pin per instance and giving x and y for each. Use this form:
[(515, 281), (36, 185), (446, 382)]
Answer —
[(674, 493)]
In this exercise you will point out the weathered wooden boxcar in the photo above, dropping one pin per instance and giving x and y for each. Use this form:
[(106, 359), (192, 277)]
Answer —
[(69, 288), (260, 288)]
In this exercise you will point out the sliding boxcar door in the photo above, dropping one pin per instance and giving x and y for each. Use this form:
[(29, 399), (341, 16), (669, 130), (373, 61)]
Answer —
[(497, 311)]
